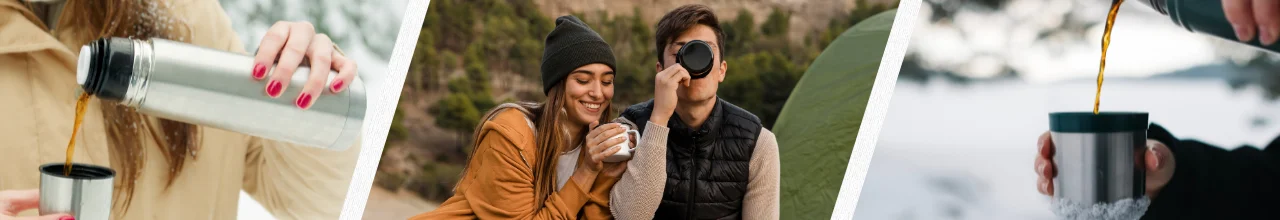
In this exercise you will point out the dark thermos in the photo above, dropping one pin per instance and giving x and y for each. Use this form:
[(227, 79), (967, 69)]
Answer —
[(1203, 16)]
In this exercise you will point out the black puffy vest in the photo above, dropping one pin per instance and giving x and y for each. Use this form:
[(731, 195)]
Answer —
[(708, 168)]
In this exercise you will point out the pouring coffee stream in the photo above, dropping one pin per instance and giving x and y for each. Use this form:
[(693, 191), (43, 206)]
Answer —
[(1106, 42), (81, 103)]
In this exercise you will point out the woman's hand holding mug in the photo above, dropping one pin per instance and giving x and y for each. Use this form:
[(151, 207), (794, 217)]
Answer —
[(14, 201), (600, 142), (598, 145)]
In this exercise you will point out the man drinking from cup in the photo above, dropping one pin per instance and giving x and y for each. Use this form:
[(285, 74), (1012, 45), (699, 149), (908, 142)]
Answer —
[(699, 157)]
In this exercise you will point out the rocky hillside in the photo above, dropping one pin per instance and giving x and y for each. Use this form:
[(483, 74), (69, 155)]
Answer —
[(807, 15)]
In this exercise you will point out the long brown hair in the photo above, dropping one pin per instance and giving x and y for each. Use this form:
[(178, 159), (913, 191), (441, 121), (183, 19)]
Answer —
[(83, 21), (549, 123)]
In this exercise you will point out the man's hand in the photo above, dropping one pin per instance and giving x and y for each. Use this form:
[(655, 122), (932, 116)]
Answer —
[(664, 92), (1159, 166)]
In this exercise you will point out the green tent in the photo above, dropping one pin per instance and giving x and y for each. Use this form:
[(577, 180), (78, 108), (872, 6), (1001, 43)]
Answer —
[(817, 127)]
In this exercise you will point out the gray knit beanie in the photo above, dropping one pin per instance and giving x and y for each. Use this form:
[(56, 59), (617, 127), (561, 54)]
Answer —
[(571, 45)]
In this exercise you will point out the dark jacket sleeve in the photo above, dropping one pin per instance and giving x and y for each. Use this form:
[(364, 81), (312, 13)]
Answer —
[(1210, 182)]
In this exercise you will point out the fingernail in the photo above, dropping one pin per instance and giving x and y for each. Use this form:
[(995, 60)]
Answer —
[(274, 88), (304, 101), (1242, 33), (1269, 35), (337, 86), (67, 218), (259, 71), (1157, 155)]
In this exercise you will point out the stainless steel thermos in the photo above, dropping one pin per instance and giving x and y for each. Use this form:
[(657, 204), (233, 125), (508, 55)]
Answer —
[(1203, 16), (1098, 156), (85, 194), (215, 88)]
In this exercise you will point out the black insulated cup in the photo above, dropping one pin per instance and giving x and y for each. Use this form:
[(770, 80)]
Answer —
[(696, 57)]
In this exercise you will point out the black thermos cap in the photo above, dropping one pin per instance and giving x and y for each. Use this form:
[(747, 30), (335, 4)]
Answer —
[(110, 65)]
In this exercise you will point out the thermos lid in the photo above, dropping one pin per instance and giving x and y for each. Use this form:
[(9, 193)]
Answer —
[(1087, 122), (105, 67), (82, 66)]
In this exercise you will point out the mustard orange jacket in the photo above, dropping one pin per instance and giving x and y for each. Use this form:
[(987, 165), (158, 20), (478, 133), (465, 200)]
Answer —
[(499, 181)]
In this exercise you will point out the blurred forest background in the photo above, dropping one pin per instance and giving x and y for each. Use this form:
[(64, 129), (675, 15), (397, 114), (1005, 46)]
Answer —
[(472, 55)]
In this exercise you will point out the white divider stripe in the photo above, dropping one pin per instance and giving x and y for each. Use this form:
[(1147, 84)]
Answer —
[(383, 105), (886, 77)]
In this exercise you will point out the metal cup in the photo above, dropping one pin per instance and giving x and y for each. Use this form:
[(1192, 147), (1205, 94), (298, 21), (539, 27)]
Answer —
[(1098, 156), (85, 194)]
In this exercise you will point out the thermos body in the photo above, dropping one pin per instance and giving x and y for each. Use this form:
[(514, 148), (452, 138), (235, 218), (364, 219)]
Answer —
[(1203, 16), (215, 88)]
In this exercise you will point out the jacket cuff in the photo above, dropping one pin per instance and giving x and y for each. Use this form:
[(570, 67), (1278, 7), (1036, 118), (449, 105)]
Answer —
[(573, 196)]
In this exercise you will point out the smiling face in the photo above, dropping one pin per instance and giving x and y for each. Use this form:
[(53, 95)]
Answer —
[(588, 91), (703, 89)]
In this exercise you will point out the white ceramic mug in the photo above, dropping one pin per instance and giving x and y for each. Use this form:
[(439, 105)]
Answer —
[(627, 149)]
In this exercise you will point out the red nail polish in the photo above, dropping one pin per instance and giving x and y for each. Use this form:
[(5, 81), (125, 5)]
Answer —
[(337, 85), (274, 88), (259, 71), (67, 218), (303, 101)]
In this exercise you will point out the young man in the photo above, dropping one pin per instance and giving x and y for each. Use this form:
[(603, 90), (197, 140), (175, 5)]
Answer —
[(699, 156)]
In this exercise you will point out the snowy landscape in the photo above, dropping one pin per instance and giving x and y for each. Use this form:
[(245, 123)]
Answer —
[(950, 151), (959, 141)]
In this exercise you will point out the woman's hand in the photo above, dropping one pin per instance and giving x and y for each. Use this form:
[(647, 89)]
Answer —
[(14, 201), (285, 45), (1159, 166), (595, 149), (1254, 17), (600, 141)]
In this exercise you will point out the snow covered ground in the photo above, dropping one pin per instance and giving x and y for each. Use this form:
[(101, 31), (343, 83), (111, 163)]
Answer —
[(949, 151)]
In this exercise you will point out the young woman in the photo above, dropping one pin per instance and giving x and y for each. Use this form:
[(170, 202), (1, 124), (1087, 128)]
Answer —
[(543, 160), (164, 169)]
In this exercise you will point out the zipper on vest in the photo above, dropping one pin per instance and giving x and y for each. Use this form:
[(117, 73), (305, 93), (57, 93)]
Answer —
[(693, 177)]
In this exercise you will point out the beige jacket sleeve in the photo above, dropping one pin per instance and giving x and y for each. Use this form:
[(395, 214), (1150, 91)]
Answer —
[(298, 182), (763, 187), (291, 182), (639, 192)]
